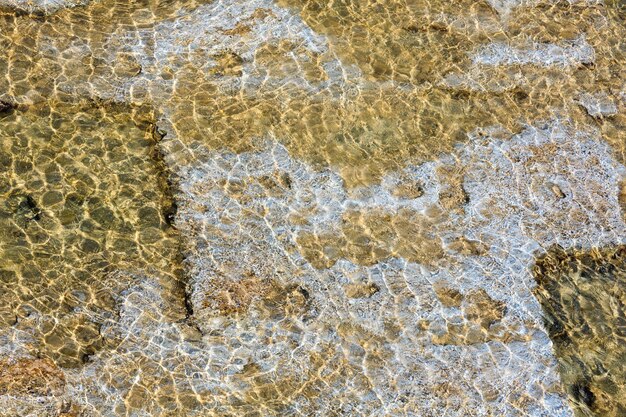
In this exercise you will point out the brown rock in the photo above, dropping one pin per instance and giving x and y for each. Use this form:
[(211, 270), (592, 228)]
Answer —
[(481, 308), (126, 65), (452, 195), (25, 376), (409, 188), (557, 191), (226, 297), (449, 297), (467, 246), (361, 290), (239, 29), (228, 63)]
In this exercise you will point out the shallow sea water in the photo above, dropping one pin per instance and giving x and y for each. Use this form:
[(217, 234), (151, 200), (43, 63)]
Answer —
[(307, 208)]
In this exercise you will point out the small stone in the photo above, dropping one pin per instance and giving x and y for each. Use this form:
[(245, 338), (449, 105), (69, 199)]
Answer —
[(597, 105), (126, 65), (361, 290), (439, 26), (467, 246), (149, 217), (90, 246), (453, 197), (150, 235), (104, 216), (238, 30), (447, 296), (557, 191), (51, 197), (228, 63), (408, 188), (481, 308), (6, 159)]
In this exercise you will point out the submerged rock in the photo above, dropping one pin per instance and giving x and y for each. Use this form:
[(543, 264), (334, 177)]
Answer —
[(34, 377), (598, 105), (39, 7), (570, 52), (6, 106), (584, 299), (456, 303)]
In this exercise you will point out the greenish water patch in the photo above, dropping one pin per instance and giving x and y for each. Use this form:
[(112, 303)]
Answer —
[(81, 195)]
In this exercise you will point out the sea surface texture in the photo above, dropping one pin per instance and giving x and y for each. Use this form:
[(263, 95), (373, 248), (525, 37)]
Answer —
[(267, 208)]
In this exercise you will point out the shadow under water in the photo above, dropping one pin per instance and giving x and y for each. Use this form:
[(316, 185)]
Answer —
[(583, 295)]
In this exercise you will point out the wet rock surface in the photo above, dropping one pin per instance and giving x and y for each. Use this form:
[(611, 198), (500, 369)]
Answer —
[(283, 208), (36, 377), (453, 307), (38, 7)]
